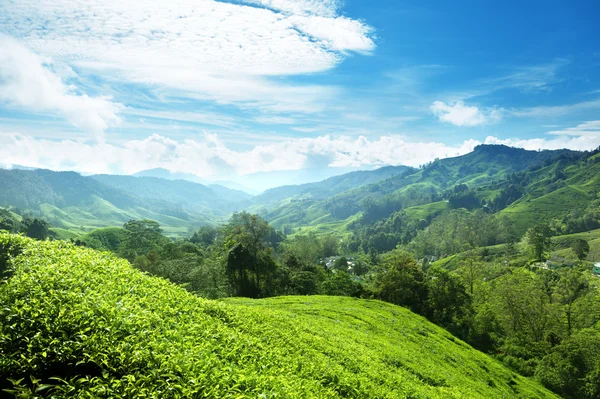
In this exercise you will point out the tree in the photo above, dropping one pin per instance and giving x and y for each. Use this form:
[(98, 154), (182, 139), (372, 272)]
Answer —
[(240, 262), (570, 288), (250, 265), (35, 228), (141, 237), (448, 303), (401, 281), (572, 369), (538, 238), (523, 306), (341, 264), (8, 222), (308, 249), (205, 235), (581, 248), (331, 245), (341, 284)]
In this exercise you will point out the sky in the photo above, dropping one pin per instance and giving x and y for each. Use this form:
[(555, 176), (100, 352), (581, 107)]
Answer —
[(227, 90)]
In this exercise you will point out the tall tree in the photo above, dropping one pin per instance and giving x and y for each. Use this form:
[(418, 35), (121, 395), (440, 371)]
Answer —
[(538, 238), (401, 281), (141, 237), (581, 248)]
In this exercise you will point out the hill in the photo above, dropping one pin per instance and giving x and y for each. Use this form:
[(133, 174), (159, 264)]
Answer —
[(79, 323), (411, 188), (331, 186), (215, 198), (78, 203)]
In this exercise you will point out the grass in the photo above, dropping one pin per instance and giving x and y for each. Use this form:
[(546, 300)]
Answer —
[(104, 329)]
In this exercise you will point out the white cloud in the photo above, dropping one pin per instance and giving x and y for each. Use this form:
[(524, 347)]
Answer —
[(591, 128), (324, 8), (580, 143), (29, 81), (209, 157), (211, 50), (460, 114)]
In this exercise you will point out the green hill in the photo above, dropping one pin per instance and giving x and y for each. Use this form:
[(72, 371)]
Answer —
[(75, 203), (329, 187), (80, 323), (482, 167)]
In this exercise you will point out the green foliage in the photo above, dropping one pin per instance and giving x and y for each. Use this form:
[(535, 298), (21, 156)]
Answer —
[(78, 323), (9, 222), (106, 239), (572, 369), (35, 228), (458, 231), (538, 238), (581, 248), (401, 281), (448, 303), (141, 237)]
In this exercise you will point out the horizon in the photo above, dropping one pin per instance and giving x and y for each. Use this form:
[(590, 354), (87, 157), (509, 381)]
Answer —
[(304, 90), (258, 183)]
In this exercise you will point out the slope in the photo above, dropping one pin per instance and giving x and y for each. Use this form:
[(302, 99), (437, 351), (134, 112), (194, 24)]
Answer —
[(556, 190), (78, 203), (484, 165), (190, 195), (80, 323), (329, 187)]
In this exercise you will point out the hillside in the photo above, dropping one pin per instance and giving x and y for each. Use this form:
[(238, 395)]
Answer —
[(483, 166), (131, 335), (78, 203), (329, 187), (217, 199)]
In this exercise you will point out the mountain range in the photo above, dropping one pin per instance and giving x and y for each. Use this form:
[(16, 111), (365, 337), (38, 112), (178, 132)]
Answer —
[(79, 203)]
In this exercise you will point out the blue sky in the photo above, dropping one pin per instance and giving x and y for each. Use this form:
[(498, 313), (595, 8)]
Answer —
[(226, 89)]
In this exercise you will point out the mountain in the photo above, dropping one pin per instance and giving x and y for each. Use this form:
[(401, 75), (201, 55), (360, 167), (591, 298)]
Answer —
[(131, 334), (331, 186), (485, 165), (217, 185), (167, 174), (78, 203), (190, 195), (235, 186), (262, 181)]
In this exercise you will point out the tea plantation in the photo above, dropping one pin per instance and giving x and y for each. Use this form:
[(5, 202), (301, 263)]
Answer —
[(85, 324)]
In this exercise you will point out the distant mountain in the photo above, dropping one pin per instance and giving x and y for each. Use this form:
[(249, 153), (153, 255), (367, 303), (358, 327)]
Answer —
[(235, 186), (331, 186), (262, 181), (167, 174), (190, 195), (484, 165), (550, 185), (71, 201)]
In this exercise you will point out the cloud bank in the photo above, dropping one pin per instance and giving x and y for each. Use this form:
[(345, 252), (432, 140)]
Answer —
[(209, 157)]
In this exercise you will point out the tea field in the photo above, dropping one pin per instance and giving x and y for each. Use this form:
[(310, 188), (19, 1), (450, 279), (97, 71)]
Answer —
[(85, 324)]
